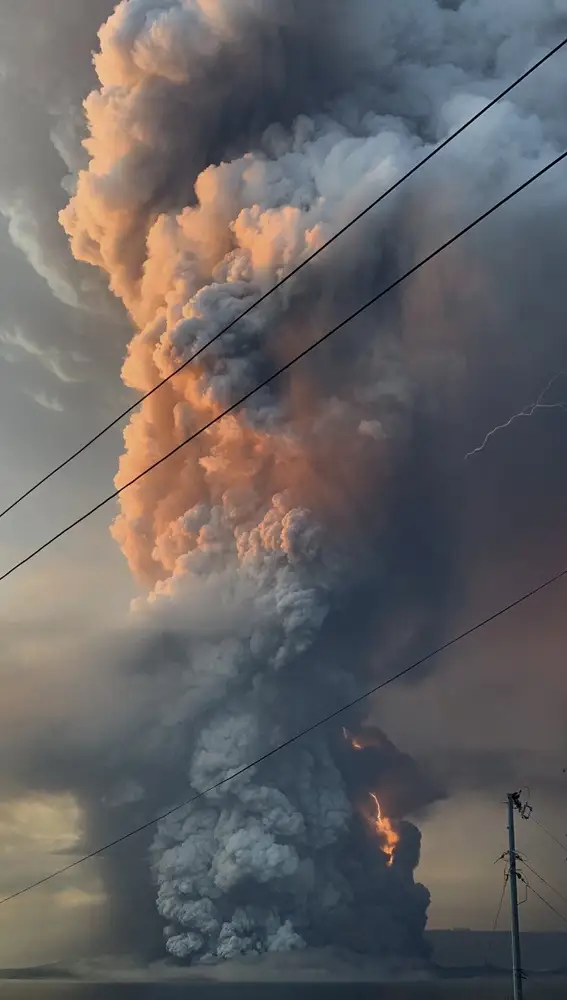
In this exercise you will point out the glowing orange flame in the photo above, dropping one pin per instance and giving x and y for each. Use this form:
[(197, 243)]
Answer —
[(353, 742), (382, 825), (385, 831)]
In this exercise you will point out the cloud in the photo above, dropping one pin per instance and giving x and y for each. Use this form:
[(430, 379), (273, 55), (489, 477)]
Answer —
[(23, 231), (38, 832), (51, 824), (44, 81), (52, 359), (47, 402), (62, 308), (78, 899)]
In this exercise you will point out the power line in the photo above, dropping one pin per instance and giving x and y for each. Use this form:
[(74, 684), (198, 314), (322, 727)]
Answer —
[(526, 812), (292, 739), (405, 177), (289, 364), (499, 910), (544, 900), (541, 878), (489, 949), (551, 835)]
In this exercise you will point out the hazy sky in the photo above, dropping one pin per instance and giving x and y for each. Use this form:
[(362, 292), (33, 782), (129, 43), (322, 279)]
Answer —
[(488, 716)]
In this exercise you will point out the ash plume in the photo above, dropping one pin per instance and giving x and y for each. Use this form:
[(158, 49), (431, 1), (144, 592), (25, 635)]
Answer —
[(305, 542)]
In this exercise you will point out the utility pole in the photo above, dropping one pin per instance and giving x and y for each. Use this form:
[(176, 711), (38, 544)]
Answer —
[(517, 974)]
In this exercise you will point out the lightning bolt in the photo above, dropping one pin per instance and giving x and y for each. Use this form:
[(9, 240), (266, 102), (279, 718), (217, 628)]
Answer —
[(528, 411)]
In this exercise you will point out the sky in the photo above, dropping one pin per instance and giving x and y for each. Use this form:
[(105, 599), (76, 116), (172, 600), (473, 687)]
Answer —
[(485, 717)]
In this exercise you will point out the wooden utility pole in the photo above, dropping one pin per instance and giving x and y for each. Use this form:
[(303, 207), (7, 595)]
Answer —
[(517, 974)]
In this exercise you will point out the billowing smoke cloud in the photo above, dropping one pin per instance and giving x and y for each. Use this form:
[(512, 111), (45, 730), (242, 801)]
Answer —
[(305, 541)]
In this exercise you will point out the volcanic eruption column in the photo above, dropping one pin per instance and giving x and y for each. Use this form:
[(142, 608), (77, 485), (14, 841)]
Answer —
[(227, 141)]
